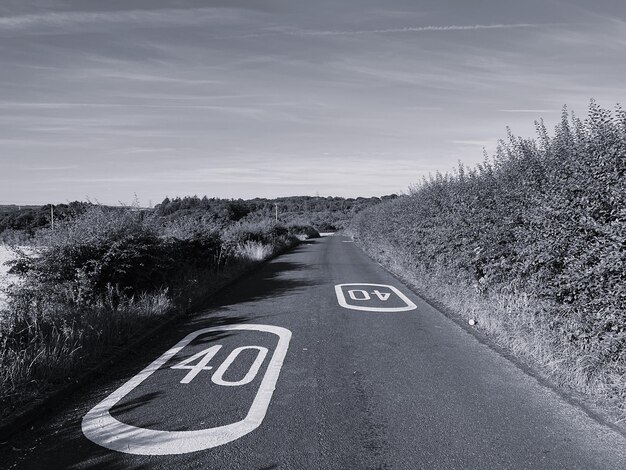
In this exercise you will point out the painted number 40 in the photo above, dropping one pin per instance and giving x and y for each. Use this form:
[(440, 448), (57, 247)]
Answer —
[(364, 295), (372, 297), (204, 357), (110, 431)]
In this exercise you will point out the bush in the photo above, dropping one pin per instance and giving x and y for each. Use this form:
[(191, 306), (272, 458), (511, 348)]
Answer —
[(543, 218), (265, 232), (14, 237), (98, 279), (304, 231), (123, 249), (326, 227)]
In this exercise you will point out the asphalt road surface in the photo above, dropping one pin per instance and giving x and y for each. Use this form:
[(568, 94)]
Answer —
[(319, 360)]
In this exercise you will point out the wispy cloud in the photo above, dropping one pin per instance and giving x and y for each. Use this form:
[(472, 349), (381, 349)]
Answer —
[(532, 111), (46, 23), (36, 143), (287, 173), (244, 110), (406, 29), (148, 77), (50, 168), (477, 143), (146, 150)]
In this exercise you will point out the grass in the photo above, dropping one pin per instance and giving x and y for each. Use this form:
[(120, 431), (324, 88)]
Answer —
[(255, 251), (60, 339)]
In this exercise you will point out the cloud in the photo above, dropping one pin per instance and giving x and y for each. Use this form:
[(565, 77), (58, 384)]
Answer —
[(32, 143), (532, 111), (406, 29), (477, 143), (46, 23), (50, 168), (277, 174), (148, 77), (242, 110), (146, 150)]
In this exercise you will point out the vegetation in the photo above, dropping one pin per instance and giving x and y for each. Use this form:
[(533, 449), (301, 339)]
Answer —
[(323, 213), (18, 224), (105, 274), (531, 243)]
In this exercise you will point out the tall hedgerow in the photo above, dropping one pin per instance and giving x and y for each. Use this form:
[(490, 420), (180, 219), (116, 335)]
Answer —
[(543, 218)]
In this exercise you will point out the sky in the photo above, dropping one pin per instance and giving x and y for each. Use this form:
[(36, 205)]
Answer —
[(102, 100)]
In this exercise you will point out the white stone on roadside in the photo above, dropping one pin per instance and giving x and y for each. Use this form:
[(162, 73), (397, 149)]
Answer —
[(471, 321)]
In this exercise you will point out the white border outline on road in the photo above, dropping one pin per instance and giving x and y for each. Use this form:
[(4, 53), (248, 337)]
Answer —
[(341, 298), (100, 427)]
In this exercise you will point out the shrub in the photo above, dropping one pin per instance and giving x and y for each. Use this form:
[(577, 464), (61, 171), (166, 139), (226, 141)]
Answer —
[(304, 231), (265, 232), (96, 280), (123, 249), (326, 227), (543, 218)]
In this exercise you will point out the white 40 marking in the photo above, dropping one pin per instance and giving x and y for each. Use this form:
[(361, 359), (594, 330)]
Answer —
[(101, 427), (364, 295), (357, 296), (205, 356), (382, 295), (200, 366)]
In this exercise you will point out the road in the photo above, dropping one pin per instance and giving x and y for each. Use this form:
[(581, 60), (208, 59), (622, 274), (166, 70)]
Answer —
[(285, 370)]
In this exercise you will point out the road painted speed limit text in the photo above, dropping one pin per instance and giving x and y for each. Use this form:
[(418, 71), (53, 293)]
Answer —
[(372, 297), (101, 427)]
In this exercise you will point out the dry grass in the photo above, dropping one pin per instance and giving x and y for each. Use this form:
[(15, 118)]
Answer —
[(60, 349), (254, 251), (518, 323)]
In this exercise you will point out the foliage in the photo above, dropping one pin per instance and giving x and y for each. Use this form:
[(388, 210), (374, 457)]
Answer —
[(181, 217), (99, 277), (306, 210), (544, 218), (305, 231), (30, 218)]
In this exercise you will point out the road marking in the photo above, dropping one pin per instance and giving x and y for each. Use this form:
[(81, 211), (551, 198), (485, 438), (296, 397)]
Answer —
[(347, 241), (382, 295), (101, 427), (200, 366), (218, 377), (363, 295)]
